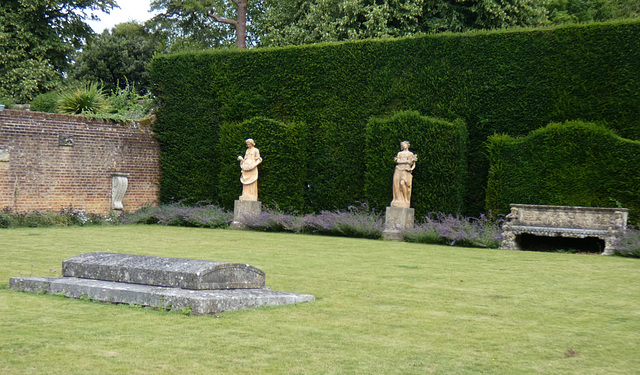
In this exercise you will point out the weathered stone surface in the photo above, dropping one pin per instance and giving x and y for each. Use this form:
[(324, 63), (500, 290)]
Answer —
[(199, 301), (244, 209), (604, 223), (4, 154), (161, 271), (396, 220), (119, 185)]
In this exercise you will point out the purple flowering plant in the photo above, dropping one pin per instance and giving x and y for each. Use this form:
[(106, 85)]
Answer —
[(356, 221), (629, 244), (176, 214), (273, 220), (447, 229), (360, 222), (67, 216)]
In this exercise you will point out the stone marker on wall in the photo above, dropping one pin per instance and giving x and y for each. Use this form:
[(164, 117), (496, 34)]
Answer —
[(119, 185), (248, 204), (204, 287), (66, 140), (399, 215)]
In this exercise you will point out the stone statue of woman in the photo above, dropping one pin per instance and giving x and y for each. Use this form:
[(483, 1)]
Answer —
[(249, 165), (402, 177)]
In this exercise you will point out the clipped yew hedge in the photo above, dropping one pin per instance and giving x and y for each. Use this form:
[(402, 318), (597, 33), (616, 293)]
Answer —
[(511, 82), (283, 171), (573, 163), (438, 179)]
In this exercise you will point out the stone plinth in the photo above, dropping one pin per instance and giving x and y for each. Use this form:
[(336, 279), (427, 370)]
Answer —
[(396, 220), (198, 301), (160, 271), (245, 209)]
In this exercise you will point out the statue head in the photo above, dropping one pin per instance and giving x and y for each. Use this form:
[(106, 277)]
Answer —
[(405, 145), (250, 142)]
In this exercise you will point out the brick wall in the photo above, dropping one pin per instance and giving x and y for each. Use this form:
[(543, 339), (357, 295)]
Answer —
[(51, 161)]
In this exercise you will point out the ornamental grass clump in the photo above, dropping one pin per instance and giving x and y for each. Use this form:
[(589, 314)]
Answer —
[(358, 222), (88, 98), (206, 216), (453, 230)]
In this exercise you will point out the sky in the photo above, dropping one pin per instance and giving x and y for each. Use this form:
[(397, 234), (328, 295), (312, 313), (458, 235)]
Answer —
[(130, 10)]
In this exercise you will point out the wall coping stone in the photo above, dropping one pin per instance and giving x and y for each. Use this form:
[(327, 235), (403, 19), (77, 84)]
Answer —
[(82, 120)]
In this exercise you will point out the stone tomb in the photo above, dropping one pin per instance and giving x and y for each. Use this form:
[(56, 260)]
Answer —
[(542, 222), (205, 287)]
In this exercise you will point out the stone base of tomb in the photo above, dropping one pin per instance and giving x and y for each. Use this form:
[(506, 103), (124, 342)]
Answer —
[(397, 219), (198, 301), (243, 210)]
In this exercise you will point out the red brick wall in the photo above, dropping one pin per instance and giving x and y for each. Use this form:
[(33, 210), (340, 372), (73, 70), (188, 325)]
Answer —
[(37, 173)]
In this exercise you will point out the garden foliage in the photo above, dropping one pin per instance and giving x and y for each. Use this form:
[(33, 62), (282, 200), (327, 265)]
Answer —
[(47, 102), (495, 81), (572, 163)]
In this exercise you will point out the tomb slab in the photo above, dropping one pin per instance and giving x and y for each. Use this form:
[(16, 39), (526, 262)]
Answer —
[(162, 271)]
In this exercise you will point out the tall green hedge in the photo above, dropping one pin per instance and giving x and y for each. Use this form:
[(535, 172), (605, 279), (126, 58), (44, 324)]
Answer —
[(283, 171), (438, 179), (187, 129), (572, 163), (497, 81)]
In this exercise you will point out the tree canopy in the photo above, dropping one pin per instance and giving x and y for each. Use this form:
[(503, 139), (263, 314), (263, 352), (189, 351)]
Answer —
[(37, 38), (189, 24), (118, 57), (309, 21), (201, 23), (570, 11)]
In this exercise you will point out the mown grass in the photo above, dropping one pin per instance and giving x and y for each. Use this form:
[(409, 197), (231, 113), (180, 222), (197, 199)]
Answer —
[(382, 308)]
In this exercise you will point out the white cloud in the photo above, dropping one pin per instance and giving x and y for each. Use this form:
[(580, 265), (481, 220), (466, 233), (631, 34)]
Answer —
[(130, 10)]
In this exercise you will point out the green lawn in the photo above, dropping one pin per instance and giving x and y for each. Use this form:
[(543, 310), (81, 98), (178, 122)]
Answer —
[(382, 308)]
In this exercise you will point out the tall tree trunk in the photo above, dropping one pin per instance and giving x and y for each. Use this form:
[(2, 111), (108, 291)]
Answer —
[(241, 24)]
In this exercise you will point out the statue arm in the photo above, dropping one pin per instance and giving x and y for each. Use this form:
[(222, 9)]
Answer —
[(258, 158)]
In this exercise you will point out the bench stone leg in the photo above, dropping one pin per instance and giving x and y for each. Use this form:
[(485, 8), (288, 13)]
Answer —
[(609, 245), (509, 241)]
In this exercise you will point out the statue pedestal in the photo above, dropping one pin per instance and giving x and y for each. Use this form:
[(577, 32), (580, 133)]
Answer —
[(396, 220), (243, 210)]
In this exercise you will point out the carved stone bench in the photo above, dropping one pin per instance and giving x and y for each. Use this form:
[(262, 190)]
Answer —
[(603, 223)]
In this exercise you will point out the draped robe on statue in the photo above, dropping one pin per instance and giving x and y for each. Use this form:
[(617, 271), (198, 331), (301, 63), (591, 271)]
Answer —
[(249, 178), (402, 178)]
